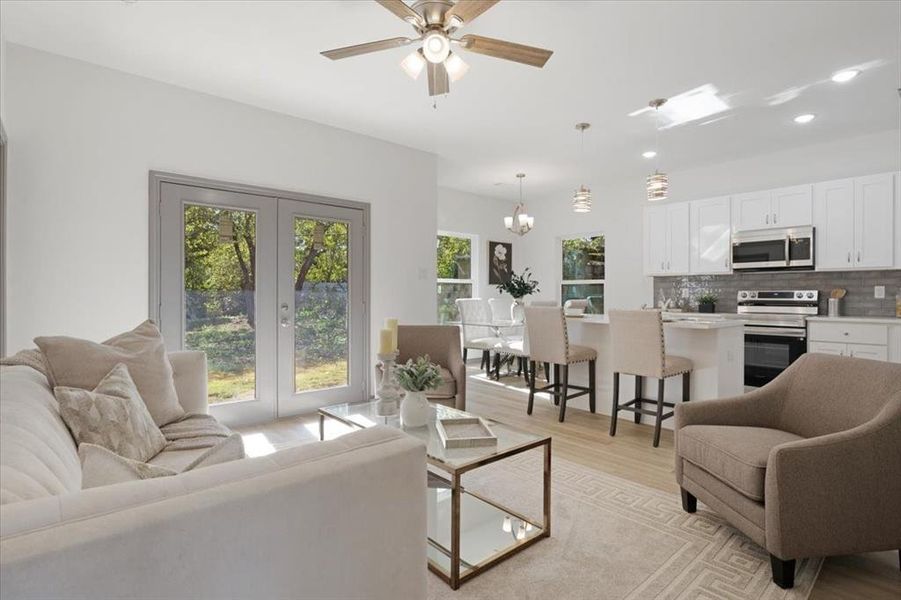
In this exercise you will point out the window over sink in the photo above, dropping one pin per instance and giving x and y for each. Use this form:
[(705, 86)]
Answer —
[(584, 271)]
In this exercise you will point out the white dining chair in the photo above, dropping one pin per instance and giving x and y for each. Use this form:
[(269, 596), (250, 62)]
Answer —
[(478, 337)]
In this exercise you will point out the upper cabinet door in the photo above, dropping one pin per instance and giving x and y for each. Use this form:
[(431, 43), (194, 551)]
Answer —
[(792, 207), (874, 221), (655, 240), (679, 239), (833, 218), (751, 211), (710, 235)]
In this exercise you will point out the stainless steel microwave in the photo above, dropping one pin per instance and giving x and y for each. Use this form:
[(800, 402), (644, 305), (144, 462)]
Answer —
[(771, 249)]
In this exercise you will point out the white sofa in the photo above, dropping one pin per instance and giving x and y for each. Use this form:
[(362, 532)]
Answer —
[(339, 519)]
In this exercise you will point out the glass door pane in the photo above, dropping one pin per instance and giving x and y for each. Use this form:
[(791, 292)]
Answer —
[(320, 304), (322, 339)]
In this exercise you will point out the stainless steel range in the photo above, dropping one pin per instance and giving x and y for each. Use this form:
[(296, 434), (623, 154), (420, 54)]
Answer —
[(775, 330)]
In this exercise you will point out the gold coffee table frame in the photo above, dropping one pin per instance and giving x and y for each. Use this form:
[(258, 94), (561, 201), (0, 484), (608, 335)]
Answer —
[(455, 473)]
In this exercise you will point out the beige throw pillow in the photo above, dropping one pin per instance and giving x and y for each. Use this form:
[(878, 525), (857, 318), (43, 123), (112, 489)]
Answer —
[(77, 363), (112, 416), (100, 467)]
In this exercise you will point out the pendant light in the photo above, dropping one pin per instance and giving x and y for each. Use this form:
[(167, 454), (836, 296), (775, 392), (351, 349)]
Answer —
[(520, 223), (582, 197), (658, 183)]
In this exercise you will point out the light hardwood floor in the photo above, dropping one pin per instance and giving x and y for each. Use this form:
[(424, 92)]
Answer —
[(583, 439)]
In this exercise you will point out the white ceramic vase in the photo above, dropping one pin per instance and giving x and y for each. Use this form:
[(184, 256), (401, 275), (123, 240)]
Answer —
[(516, 313), (415, 410)]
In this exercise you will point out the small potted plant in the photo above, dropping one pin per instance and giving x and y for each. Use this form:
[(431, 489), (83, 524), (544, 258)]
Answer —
[(416, 378), (518, 286), (707, 302)]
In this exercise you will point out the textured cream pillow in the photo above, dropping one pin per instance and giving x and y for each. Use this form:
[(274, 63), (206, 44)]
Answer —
[(99, 467), (112, 416), (82, 364)]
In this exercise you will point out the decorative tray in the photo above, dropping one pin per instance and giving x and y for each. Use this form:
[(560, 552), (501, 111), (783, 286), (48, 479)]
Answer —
[(465, 432)]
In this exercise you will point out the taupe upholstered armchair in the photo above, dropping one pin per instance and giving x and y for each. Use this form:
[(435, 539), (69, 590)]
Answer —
[(808, 465), (442, 344)]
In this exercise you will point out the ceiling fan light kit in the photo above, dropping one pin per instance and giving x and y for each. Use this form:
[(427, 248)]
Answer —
[(582, 197), (658, 183), (435, 21)]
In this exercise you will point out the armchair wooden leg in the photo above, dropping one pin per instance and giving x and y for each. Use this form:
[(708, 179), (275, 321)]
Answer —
[(639, 393), (660, 387), (531, 390), (615, 411), (783, 572), (689, 502), (564, 389), (591, 384)]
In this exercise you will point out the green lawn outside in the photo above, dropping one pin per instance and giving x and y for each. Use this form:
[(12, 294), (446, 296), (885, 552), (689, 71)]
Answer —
[(227, 387)]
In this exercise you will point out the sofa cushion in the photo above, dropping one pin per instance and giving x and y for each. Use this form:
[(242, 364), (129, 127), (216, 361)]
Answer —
[(737, 456), (37, 455), (100, 466), (112, 415), (82, 364)]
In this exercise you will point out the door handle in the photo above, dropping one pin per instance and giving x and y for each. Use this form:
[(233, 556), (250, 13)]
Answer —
[(285, 322)]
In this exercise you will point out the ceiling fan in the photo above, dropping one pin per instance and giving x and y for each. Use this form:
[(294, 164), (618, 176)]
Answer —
[(435, 22)]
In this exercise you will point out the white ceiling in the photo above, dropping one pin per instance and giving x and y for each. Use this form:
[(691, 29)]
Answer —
[(609, 59)]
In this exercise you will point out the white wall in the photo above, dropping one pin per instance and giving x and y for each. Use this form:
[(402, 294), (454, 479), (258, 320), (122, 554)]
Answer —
[(460, 212), (2, 78), (84, 140), (618, 205)]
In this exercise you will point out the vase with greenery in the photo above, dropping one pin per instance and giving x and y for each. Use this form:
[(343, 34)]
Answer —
[(707, 302), (518, 286), (416, 378)]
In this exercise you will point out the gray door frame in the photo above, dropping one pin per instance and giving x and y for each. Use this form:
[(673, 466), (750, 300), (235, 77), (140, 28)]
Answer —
[(4, 143), (158, 178)]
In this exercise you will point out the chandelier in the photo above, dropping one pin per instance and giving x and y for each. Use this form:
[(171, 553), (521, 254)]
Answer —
[(658, 183), (520, 223), (582, 197)]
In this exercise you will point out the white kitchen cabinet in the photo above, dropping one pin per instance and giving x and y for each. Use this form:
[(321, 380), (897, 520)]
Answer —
[(867, 351), (827, 348), (710, 235), (666, 239), (874, 221), (833, 211), (847, 337), (783, 207)]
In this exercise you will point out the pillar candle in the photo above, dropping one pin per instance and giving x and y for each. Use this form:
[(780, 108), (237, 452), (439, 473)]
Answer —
[(386, 341), (391, 324)]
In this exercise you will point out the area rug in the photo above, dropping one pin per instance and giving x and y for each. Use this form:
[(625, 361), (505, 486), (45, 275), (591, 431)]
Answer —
[(614, 539)]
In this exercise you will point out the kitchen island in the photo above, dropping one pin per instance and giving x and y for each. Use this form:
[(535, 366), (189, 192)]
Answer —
[(714, 344)]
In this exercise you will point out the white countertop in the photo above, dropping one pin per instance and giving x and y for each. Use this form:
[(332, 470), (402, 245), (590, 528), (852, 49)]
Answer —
[(682, 321), (875, 320)]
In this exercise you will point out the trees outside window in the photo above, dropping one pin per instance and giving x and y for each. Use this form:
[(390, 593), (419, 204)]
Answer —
[(584, 271)]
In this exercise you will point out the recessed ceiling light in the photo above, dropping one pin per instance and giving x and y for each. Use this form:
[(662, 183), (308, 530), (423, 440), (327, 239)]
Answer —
[(805, 118), (649, 154), (845, 76)]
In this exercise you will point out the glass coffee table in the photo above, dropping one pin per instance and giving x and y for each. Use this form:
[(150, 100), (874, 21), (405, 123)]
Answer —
[(468, 532)]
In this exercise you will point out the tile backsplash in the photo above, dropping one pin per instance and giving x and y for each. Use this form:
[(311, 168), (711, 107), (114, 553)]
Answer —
[(858, 302)]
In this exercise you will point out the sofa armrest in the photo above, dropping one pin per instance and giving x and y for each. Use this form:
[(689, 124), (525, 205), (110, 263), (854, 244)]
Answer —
[(190, 373), (340, 519), (838, 493), (751, 409)]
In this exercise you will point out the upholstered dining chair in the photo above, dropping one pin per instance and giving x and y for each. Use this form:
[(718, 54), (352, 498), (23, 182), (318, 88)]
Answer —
[(477, 337), (638, 348), (442, 344), (548, 342), (809, 465)]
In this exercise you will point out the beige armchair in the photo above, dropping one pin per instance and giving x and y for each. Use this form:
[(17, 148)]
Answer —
[(806, 466), (442, 344)]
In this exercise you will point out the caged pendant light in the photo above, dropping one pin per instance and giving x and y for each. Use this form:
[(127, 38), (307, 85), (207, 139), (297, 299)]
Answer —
[(582, 196), (658, 183)]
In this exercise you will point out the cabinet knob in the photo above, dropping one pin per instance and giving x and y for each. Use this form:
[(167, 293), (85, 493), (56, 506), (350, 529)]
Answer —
[(774, 218), (768, 219), (849, 256), (845, 333), (858, 256)]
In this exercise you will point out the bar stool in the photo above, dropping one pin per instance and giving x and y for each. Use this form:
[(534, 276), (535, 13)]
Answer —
[(637, 348), (548, 342)]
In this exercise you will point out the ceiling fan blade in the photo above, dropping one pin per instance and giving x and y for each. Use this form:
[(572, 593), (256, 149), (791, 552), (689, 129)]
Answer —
[(467, 10), (527, 55), (349, 51), (400, 8), (439, 83)]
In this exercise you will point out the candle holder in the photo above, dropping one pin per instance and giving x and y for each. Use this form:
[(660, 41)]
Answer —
[(388, 391)]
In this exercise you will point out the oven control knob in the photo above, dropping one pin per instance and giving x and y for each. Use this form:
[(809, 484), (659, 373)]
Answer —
[(744, 294), (810, 295), (753, 294), (799, 295)]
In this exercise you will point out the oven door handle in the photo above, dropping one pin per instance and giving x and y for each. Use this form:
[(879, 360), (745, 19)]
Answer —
[(775, 331), (788, 258)]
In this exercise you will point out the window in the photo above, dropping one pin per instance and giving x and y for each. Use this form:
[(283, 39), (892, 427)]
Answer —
[(583, 271), (455, 273)]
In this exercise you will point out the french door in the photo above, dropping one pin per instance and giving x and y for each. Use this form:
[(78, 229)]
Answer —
[(272, 289)]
